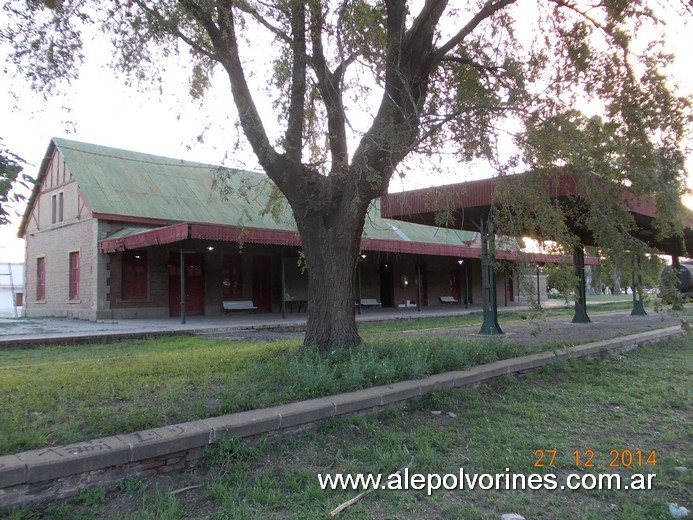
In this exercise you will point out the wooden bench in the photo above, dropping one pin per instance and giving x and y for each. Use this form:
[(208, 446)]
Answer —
[(370, 302), (448, 299), (238, 305), (291, 300)]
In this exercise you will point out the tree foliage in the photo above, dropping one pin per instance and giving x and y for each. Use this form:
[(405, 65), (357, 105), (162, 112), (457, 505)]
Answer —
[(358, 86), (10, 182)]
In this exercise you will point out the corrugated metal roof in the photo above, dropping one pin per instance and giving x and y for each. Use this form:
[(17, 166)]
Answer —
[(388, 229), (132, 184), (128, 231)]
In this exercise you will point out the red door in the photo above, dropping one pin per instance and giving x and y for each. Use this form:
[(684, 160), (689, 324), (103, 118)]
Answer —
[(262, 283), (194, 284)]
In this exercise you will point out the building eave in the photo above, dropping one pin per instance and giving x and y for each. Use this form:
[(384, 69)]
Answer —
[(225, 233)]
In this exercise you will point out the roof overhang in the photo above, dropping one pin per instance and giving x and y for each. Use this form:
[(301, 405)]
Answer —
[(225, 233), (187, 230), (466, 204)]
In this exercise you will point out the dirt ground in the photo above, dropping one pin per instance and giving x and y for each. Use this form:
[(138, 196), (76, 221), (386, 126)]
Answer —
[(604, 325)]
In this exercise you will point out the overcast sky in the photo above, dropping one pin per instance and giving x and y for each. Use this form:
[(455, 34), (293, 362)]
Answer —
[(101, 109)]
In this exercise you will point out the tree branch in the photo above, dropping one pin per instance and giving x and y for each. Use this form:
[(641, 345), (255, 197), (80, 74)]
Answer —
[(474, 64), (428, 17), (489, 9), (294, 127), (329, 87), (175, 31), (243, 6), (376, 148), (225, 42)]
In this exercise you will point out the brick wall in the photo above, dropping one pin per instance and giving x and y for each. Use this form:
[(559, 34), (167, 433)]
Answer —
[(55, 245)]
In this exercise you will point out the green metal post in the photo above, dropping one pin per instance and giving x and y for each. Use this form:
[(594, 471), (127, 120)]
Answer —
[(638, 306), (488, 279), (580, 315)]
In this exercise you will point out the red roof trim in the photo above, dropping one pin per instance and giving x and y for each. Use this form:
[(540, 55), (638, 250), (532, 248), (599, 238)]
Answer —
[(155, 237), (244, 234)]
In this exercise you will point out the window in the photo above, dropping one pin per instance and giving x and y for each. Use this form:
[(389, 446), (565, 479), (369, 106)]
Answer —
[(134, 272), (74, 275), (57, 204), (19, 299), (41, 278)]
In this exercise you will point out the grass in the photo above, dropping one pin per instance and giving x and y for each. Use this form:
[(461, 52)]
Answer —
[(610, 297), (640, 401), (143, 384), (65, 394)]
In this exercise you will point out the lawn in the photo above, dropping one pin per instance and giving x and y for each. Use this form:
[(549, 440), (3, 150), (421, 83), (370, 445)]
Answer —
[(640, 401), (64, 394), (611, 297)]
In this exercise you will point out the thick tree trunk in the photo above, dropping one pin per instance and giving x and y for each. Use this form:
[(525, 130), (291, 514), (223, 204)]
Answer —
[(331, 255)]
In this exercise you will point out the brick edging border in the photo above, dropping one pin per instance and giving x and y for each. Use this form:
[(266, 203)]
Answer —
[(59, 471)]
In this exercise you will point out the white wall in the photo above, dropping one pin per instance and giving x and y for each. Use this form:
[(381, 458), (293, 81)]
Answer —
[(11, 284)]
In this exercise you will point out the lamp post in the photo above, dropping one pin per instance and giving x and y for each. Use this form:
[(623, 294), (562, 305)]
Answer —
[(538, 290), (182, 286)]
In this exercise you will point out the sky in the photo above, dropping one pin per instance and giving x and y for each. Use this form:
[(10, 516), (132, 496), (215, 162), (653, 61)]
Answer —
[(99, 108)]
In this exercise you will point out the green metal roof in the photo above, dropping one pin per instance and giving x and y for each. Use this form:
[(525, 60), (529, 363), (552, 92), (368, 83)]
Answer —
[(132, 184), (125, 232)]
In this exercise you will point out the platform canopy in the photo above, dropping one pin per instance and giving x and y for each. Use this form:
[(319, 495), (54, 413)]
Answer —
[(463, 205), (469, 206)]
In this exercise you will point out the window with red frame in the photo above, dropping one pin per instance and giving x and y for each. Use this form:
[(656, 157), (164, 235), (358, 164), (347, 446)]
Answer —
[(134, 271), (41, 278), (74, 275)]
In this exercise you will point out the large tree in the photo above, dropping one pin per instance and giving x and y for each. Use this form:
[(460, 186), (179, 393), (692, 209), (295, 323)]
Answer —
[(360, 85)]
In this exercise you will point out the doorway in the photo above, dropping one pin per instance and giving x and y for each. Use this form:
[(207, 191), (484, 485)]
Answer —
[(387, 288), (262, 283), (194, 284)]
